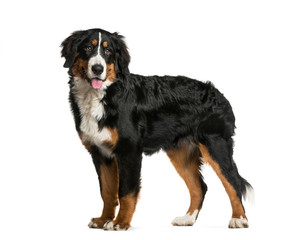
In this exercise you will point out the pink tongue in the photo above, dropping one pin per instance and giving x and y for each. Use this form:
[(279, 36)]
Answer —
[(96, 83)]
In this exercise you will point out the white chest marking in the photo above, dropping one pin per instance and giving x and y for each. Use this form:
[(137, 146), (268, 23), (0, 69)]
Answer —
[(91, 110)]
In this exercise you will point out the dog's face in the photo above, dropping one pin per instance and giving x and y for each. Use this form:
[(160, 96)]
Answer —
[(96, 56)]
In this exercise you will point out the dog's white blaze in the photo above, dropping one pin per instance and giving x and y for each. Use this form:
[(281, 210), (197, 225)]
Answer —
[(92, 110), (97, 59), (187, 220)]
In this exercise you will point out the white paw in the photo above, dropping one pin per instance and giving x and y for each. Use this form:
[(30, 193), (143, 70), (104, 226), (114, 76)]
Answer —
[(117, 227), (108, 226), (238, 223), (92, 225), (187, 220)]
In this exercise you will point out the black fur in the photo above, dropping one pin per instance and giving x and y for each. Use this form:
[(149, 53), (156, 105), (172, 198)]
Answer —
[(160, 111), (154, 113), (70, 47)]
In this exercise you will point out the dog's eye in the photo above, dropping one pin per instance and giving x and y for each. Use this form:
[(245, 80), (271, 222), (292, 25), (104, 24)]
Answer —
[(89, 49), (107, 52)]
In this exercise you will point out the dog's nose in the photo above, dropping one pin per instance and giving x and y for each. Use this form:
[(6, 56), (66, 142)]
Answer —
[(97, 69)]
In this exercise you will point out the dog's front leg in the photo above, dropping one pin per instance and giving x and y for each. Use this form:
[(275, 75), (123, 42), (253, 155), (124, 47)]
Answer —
[(129, 165), (108, 178)]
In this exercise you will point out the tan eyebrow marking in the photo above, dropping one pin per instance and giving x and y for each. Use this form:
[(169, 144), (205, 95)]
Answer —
[(105, 44), (94, 42)]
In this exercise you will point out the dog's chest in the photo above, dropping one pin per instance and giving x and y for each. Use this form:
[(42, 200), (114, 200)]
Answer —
[(91, 111)]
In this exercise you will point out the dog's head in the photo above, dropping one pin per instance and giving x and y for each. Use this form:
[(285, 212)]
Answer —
[(96, 56)]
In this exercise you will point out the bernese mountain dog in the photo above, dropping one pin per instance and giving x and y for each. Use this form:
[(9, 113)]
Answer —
[(119, 116)]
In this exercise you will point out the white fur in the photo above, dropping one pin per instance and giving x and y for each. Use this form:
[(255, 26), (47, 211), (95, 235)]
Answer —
[(187, 220), (92, 224), (92, 110), (238, 223), (97, 59), (109, 226), (249, 195)]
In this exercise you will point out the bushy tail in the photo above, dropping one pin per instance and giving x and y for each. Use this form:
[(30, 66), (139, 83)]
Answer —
[(247, 192)]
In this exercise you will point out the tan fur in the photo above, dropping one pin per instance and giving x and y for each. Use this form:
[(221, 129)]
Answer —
[(105, 44), (237, 207), (78, 67), (186, 161), (126, 211), (94, 42), (114, 138), (109, 192), (111, 74)]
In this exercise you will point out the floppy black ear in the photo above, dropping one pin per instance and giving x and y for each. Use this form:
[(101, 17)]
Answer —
[(122, 56), (70, 47)]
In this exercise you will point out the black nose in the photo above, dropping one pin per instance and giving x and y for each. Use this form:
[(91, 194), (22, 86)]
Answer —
[(97, 69)]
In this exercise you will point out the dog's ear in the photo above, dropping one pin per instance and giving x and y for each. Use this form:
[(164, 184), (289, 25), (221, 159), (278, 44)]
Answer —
[(70, 47), (122, 56)]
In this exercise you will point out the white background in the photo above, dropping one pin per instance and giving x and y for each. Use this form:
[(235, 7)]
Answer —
[(48, 185)]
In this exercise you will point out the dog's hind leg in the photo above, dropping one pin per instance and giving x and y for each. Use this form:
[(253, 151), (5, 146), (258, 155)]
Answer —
[(185, 159), (217, 152)]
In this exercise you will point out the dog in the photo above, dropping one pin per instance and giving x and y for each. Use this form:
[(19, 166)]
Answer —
[(119, 116)]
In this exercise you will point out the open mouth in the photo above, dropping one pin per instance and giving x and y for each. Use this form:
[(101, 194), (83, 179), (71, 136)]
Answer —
[(96, 83)]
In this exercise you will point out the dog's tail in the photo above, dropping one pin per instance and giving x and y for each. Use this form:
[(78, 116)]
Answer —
[(248, 194)]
